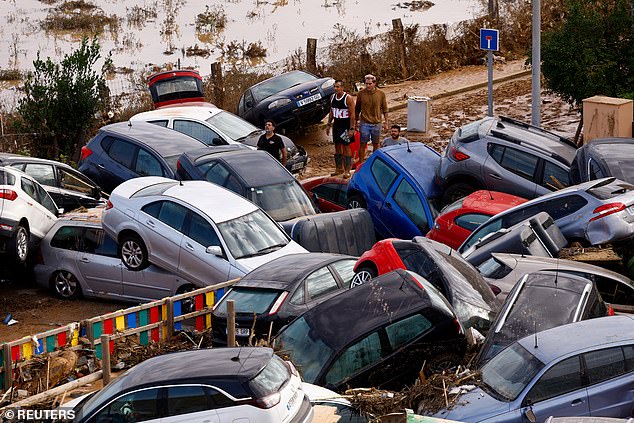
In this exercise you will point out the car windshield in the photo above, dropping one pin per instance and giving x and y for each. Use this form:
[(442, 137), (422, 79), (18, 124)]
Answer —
[(232, 126), (283, 201), (248, 300), (272, 378), (483, 230), (280, 83), (251, 235), (306, 350), (508, 373)]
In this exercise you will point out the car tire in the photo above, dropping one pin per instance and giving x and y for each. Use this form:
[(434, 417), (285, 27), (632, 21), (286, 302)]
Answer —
[(441, 363), (188, 305), (356, 202), (363, 275), (19, 246), (457, 191), (133, 253), (65, 285)]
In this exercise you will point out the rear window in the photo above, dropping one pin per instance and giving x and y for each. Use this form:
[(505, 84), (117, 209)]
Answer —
[(609, 189), (468, 132), (249, 300), (272, 378), (156, 189), (6, 178)]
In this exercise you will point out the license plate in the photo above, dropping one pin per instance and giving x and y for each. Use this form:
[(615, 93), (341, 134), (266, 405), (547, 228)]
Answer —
[(307, 100), (290, 403), (630, 210), (298, 165), (243, 331)]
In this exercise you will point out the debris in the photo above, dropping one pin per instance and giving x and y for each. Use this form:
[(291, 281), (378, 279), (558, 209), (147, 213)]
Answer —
[(9, 320)]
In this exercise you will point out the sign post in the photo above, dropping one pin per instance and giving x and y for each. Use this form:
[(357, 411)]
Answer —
[(490, 41)]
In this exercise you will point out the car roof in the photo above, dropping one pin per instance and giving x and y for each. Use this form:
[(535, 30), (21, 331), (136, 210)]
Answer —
[(165, 142), (367, 307), (12, 158), (578, 336), (417, 165), (557, 280), (286, 270), (191, 112), (200, 364), (491, 202), (266, 81)]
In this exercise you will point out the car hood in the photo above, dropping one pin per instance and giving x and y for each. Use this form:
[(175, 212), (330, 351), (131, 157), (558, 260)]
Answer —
[(250, 263), (474, 406), (297, 89)]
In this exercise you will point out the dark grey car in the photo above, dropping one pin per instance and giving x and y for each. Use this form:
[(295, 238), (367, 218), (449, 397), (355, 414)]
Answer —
[(502, 154), (604, 157)]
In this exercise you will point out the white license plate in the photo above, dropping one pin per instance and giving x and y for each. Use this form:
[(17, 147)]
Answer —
[(298, 165), (290, 403), (630, 210), (307, 100), (243, 332)]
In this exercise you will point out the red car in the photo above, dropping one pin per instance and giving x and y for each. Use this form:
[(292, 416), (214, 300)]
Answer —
[(330, 192), (178, 87), (457, 220)]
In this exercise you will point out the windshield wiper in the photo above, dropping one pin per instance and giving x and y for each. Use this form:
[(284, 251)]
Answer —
[(256, 132), (495, 394), (263, 251)]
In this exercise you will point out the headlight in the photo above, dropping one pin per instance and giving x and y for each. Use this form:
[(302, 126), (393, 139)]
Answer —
[(328, 84), (279, 103)]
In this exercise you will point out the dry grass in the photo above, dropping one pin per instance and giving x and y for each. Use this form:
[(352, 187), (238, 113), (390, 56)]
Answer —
[(80, 16), (10, 75)]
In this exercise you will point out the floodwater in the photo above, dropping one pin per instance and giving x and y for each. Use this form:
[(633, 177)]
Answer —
[(153, 33)]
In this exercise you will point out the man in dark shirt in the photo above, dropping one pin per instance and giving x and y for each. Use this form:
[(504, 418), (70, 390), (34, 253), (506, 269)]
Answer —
[(272, 143)]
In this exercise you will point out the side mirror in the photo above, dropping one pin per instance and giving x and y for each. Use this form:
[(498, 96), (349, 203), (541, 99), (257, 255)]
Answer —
[(215, 250), (528, 413)]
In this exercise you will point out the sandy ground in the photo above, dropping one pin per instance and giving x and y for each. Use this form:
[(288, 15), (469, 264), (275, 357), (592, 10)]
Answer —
[(37, 311)]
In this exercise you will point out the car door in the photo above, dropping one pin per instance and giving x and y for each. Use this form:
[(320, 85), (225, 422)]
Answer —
[(141, 405), (383, 178), (331, 197), (559, 391), (99, 263), (191, 403), (610, 374), (164, 223), (147, 164), (40, 211), (510, 170), (117, 164), (406, 210), (564, 210), (195, 262), (552, 177), (320, 285), (199, 131), (246, 108), (76, 189), (45, 174)]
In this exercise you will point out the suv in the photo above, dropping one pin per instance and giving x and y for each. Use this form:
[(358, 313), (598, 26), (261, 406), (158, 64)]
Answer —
[(502, 154), (604, 157)]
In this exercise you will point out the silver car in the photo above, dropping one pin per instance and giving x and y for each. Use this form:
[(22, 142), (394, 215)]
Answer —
[(593, 212), (196, 229), (78, 258)]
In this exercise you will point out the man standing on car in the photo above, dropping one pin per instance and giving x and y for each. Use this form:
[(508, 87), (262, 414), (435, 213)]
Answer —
[(272, 143), (341, 119), (371, 104)]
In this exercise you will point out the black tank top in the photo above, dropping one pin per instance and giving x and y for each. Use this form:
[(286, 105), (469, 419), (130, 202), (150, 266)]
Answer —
[(340, 112)]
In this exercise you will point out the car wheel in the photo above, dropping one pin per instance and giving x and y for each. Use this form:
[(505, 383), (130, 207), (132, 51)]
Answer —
[(188, 305), (65, 285), (457, 191), (441, 363), (363, 275), (133, 253), (356, 202), (20, 244)]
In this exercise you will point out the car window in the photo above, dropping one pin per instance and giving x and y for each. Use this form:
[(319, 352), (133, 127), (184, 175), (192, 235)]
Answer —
[(516, 161), (594, 170), (252, 235), (523, 213), (186, 399), (249, 300), (217, 173), (320, 282), (202, 232), (137, 406), (561, 207), (604, 364), (471, 221), (282, 201), (280, 83), (298, 296), (271, 379), (162, 123), (28, 187), (609, 188), (409, 201), (419, 261), (555, 177), (74, 181), (493, 269), (67, 238), (357, 356), (560, 379), (147, 164), (196, 130), (628, 352), (44, 199), (43, 173), (481, 232), (345, 268), (6, 178), (613, 291), (331, 192), (383, 174), (97, 242), (406, 330), (170, 213), (121, 152)]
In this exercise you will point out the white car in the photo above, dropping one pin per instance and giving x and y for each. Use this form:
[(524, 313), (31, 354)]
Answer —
[(196, 229), (27, 212)]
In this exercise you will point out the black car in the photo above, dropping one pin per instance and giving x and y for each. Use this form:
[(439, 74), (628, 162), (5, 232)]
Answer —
[(277, 292), (292, 100), (604, 157), (126, 150), (255, 175), (69, 188), (377, 334)]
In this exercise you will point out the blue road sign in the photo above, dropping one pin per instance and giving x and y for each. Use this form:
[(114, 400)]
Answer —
[(489, 39)]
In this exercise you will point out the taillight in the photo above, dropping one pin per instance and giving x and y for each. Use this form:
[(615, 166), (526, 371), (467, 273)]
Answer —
[(278, 303), (109, 205), (457, 155), (456, 322), (292, 368), (266, 402), (85, 152), (8, 194), (610, 310), (606, 210)]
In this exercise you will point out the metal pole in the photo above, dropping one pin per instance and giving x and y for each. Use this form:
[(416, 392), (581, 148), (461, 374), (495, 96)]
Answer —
[(536, 64), (490, 64)]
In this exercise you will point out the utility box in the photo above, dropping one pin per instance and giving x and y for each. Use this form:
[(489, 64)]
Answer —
[(607, 117), (418, 111)]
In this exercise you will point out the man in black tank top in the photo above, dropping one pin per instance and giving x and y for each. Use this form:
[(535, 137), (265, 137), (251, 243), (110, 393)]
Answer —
[(342, 121)]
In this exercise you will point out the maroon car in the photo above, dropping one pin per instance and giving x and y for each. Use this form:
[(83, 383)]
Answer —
[(328, 191)]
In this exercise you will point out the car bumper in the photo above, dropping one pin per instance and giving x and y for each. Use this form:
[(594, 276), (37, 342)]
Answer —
[(305, 413), (7, 227), (307, 115), (616, 227), (43, 274), (298, 162)]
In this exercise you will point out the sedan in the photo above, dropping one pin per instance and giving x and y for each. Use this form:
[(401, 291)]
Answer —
[(180, 227), (329, 192), (456, 221), (579, 369), (292, 100), (272, 295)]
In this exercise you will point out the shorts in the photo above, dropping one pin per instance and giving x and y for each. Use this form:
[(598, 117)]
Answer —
[(340, 135), (370, 131)]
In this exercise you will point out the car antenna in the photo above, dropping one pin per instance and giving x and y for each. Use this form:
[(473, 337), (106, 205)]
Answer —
[(237, 357), (535, 323), (409, 150), (490, 195)]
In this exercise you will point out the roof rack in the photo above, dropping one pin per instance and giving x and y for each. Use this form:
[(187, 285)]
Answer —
[(563, 140)]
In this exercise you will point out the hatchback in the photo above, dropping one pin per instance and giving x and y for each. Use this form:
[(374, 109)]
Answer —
[(177, 87), (377, 334), (579, 369), (69, 188), (602, 158), (121, 151), (180, 227), (275, 293), (208, 385), (78, 259), (505, 155), (27, 212), (592, 212), (396, 185)]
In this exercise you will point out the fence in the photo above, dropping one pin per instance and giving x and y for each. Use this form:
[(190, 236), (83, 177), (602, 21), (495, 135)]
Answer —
[(155, 321)]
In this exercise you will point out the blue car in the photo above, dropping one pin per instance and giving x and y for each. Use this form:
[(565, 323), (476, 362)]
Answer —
[(579, 369), (396, 185)]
